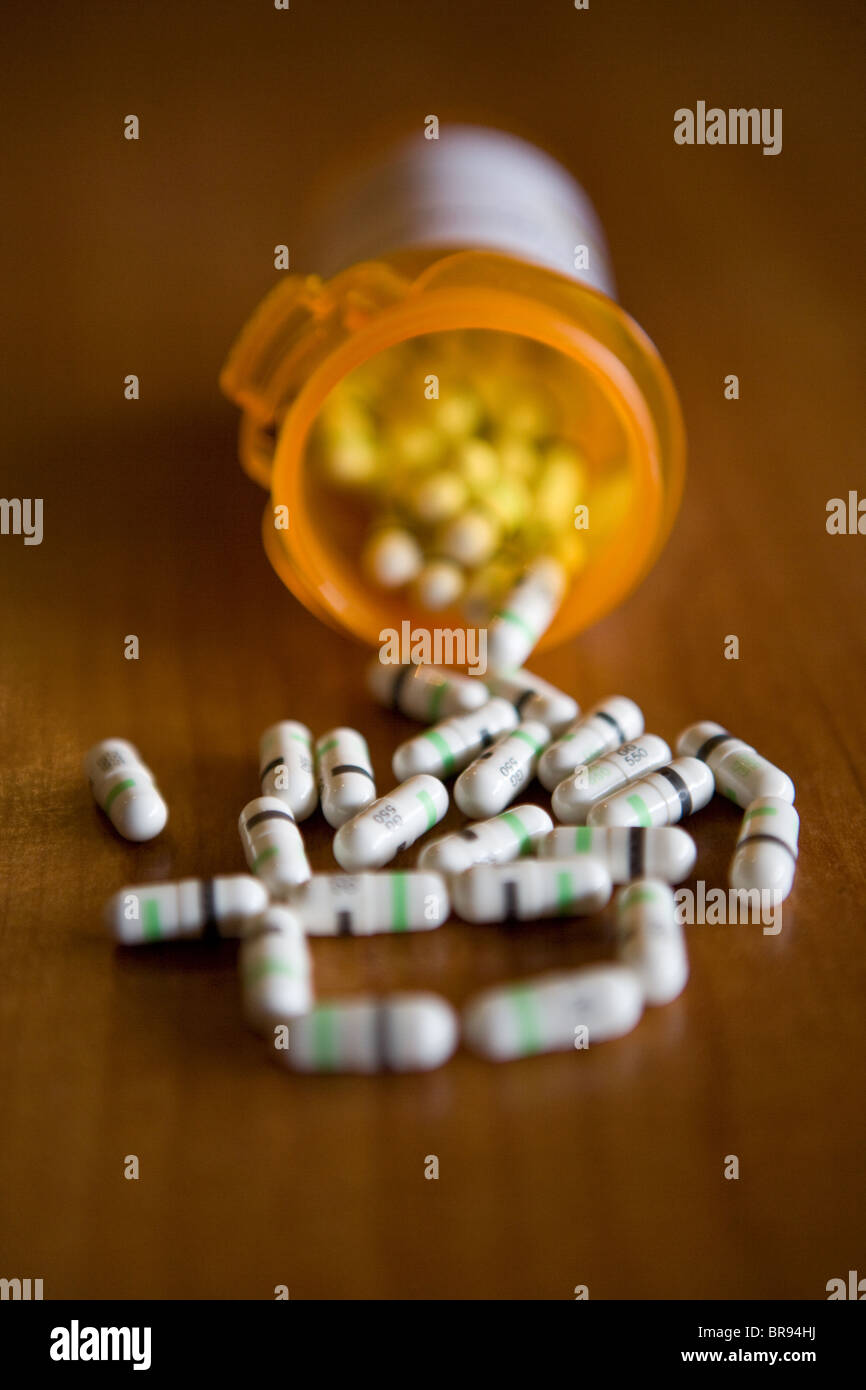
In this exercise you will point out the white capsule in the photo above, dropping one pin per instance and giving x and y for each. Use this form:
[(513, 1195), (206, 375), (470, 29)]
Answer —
[(125, 789), (425, 693), (392, 557), (554, 1012), (495, 777), (497, 841), (400, 1032), (366, 904), (275, 970), (346, 783), (534, 698), (682, 787), (608, 725), (651, 940), (191, 907), (451, 745), (741, 774), (525, 616), (439, 584), (470, 538), (391, 824), (272, 843), (594, 782), (286, 763), (531, 888), (667, 852), (766, 853)]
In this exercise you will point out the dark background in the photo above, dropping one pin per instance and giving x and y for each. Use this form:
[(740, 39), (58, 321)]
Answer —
[(605, 1168)]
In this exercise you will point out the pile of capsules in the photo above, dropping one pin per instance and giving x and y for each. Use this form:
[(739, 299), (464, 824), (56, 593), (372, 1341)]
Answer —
[(617, 795), (461, 494)]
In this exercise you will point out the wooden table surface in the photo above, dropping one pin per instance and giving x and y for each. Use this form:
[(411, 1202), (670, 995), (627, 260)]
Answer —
[(603, 1168)]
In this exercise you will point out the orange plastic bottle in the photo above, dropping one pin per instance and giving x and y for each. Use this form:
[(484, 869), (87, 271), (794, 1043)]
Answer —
[(474, 256)]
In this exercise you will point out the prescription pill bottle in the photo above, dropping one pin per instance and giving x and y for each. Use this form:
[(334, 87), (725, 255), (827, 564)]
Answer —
[(453, 395)]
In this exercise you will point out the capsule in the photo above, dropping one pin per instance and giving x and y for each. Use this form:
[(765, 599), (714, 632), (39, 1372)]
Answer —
[(272, 844), (650, 939), (387, 826), (534, 698), (400, 1032), (741, 774), (497, 841), (592, 783), (439, 584), (286, 762), (451, 745), (682, 787), (125, 789), (607, 726), (470, 538), (525, 616), (766, 853), (275, 970), (425, 693), (545, 1013), (495, 777), (188, 908), (666, 852), (366, 904), (346, 782), (531, 888), (392, 557)]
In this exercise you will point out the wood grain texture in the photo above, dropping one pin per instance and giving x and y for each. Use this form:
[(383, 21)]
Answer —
[(603, 1168)]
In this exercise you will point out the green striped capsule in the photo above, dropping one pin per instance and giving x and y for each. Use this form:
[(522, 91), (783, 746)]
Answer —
[(531, 888), (499, 840), (125, 789), (273, 846), (275, 970), (391, 824), (450, 746), (366, 904), (425, 693), (555, 1012), (494, 779), (402, 1032), (346, 783)]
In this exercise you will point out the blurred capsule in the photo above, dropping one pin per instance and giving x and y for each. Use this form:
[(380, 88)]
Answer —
[(549, 1013), (272, 844), (392, 557), (438, 496), (439, 584), (400, 1032), (275, 970), (425, 693), (531, 888), (525, 616), (534, 698), (470, 538), (650, 939), (629, 852), (365, 904), (508, 836)]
